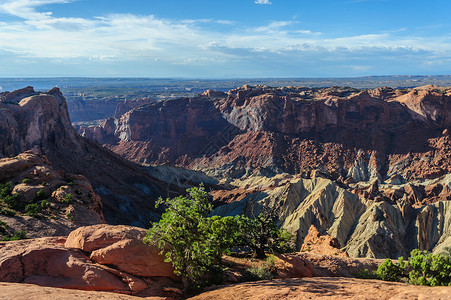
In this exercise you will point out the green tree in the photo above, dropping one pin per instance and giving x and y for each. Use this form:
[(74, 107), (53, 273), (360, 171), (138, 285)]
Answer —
[(261, 234), (191, 241), (194, 242)]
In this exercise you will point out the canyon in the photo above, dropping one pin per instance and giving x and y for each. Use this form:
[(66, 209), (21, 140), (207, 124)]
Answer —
[(370, 169)]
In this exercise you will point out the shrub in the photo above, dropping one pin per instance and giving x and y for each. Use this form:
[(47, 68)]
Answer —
[(3, 226), (7, 212), (388, 271), (41, 195), (70, 216), (67, 199), (18, 235), (45, 204), (422, 268), (26, 180), (32, 209), (6, 189), (194, 242), (366, 274), (265, 270), (429, 269), (13, 202)]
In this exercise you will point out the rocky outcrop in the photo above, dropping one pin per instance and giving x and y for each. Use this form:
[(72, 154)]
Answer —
[(49, 202), (40, 122), (315, 242), (98, 258), (46, 262)]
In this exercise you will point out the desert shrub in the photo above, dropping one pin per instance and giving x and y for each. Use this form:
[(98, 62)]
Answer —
[(67, 199), (7, 212), (6, 189), (41, 195), (389, 271), (70, 183), (26, 180), (70, 216), (429, 269), (3, 226), (13, 202), (422, 268), (45, 204), (264, 270), (366, 274), (32, 209), (194, 242), (18, 235)]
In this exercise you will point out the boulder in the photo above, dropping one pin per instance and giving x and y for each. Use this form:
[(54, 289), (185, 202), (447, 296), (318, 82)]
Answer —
[(122, 247), (46, 262)]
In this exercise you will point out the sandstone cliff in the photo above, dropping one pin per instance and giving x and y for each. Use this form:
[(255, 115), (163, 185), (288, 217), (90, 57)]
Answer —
[(98, 109), (40, 122), (357, 134)]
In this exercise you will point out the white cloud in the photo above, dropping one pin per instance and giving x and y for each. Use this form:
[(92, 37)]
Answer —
[(128, 38), (263, 2), (26, 8)]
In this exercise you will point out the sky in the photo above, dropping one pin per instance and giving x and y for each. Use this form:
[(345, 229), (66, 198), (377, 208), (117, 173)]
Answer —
[(224, 38)]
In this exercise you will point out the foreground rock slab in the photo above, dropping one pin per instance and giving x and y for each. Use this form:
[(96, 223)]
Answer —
[(95, 258), (325, 288), (20, 291)]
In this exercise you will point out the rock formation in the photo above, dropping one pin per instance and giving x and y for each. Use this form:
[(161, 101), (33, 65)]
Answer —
[(95, 258), (48, 202), (98, 109), (40, 122), (358, 134), (317, 243), (361, 226)]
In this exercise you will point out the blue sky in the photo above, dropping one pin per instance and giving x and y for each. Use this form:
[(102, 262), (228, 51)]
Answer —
[(224, 39)]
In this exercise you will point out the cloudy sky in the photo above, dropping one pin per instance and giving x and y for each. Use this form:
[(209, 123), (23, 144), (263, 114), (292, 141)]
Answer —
[(224, 38)]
